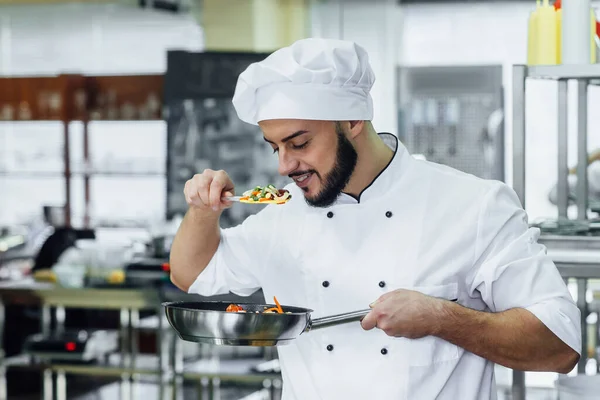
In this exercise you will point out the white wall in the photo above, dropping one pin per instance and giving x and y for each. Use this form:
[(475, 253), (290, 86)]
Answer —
[(496, 33), (376, 26), (89, 39)]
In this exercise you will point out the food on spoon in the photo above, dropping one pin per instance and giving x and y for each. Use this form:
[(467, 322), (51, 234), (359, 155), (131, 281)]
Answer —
[(266, 195)]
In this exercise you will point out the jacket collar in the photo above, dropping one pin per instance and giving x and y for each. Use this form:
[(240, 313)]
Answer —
[(389, 176)]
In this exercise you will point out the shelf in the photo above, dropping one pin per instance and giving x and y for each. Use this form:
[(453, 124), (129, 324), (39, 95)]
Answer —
[(145, 365), (236, 370), (558, 72), (574, 256), (30, 292), (574, 243), (69, 98)]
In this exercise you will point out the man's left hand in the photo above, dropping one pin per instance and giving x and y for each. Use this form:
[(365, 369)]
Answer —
[(404, 313)]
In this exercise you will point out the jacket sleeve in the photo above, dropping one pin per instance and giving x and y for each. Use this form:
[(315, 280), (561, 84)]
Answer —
[(238, 264), (513, 270)]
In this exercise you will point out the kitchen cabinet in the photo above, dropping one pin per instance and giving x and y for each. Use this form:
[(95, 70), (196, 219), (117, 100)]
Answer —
[(70, 97)]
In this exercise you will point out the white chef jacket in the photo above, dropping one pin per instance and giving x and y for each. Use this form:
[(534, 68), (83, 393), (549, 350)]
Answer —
[(419, 226)]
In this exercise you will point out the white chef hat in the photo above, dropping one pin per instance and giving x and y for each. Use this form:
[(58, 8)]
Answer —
[(315, 79)]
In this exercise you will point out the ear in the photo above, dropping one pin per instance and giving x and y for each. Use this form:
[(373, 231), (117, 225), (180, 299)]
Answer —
[(356, 127)]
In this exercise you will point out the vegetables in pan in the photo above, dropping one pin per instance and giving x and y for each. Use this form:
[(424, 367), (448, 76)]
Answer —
[(234, 308), (268, 195), (277, 309)]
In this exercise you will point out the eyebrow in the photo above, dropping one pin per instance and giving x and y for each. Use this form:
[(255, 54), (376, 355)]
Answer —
[(288, 138)]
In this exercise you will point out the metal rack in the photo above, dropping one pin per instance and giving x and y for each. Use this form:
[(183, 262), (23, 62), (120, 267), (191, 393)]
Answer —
[(167, 367), (585, 75), (562, 249)]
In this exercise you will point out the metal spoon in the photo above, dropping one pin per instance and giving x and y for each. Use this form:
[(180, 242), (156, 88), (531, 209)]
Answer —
[(231, 198)]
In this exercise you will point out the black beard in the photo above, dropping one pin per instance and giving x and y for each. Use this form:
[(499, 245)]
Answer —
[(336, 180)]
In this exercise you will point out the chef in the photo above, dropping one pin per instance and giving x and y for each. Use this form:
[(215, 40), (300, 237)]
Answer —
[(454, 276)]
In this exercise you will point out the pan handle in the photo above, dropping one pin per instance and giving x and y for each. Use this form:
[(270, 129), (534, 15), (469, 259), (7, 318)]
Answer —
[(338, 319)]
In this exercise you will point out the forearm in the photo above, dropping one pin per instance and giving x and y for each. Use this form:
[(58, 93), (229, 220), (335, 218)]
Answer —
[(193, 247), (515, 338)]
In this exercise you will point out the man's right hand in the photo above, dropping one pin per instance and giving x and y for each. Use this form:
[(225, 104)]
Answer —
[(206, 190)]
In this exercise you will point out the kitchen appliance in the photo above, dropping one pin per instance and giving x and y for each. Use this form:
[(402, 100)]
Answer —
[(454, 115), (142, 272), (268, 367), (73, 346), (147, 270), (209, 322)]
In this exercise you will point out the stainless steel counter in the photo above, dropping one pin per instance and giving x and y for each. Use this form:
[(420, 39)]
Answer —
[(167, 366), (31, 292), (53, 301)]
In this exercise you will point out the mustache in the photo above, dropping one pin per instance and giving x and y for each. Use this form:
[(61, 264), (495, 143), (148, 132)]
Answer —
[(300, 173)]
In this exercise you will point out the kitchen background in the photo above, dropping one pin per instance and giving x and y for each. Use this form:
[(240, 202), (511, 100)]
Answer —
[(41, 40), (444, 86)]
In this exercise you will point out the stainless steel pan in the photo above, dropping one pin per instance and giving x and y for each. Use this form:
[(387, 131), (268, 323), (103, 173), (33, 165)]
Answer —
[(208, 322)]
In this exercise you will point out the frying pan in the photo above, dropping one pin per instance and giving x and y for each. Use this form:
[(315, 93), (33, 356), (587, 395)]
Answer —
[(208, 322)]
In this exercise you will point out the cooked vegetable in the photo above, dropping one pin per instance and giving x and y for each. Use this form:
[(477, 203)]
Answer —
[(234, 308), (238, 308), (267, 194), (278, 305)]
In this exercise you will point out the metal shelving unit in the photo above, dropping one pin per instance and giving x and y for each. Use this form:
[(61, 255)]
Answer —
[(560, 72), (72, 97), (585, 75), (168, 367), (588, 268)]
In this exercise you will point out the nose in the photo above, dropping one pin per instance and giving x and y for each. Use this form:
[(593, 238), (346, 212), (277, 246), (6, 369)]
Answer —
[(287, 164)]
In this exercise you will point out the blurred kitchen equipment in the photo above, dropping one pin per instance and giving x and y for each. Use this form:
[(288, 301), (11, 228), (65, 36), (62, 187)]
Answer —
[(454, 116), (10, 241), (544, 31), (568, 32), (56, 243), (82, 346), (451, 118), (549, 27), (208, 322), (597, 42), (593, 183), (203, 130), (145, 272), (431, 122), (563, 226), (580, 387), (532, 34), (417, 120)]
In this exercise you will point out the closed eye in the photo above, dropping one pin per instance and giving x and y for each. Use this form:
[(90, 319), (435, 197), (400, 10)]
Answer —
[(300, 146), (294, 146)]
